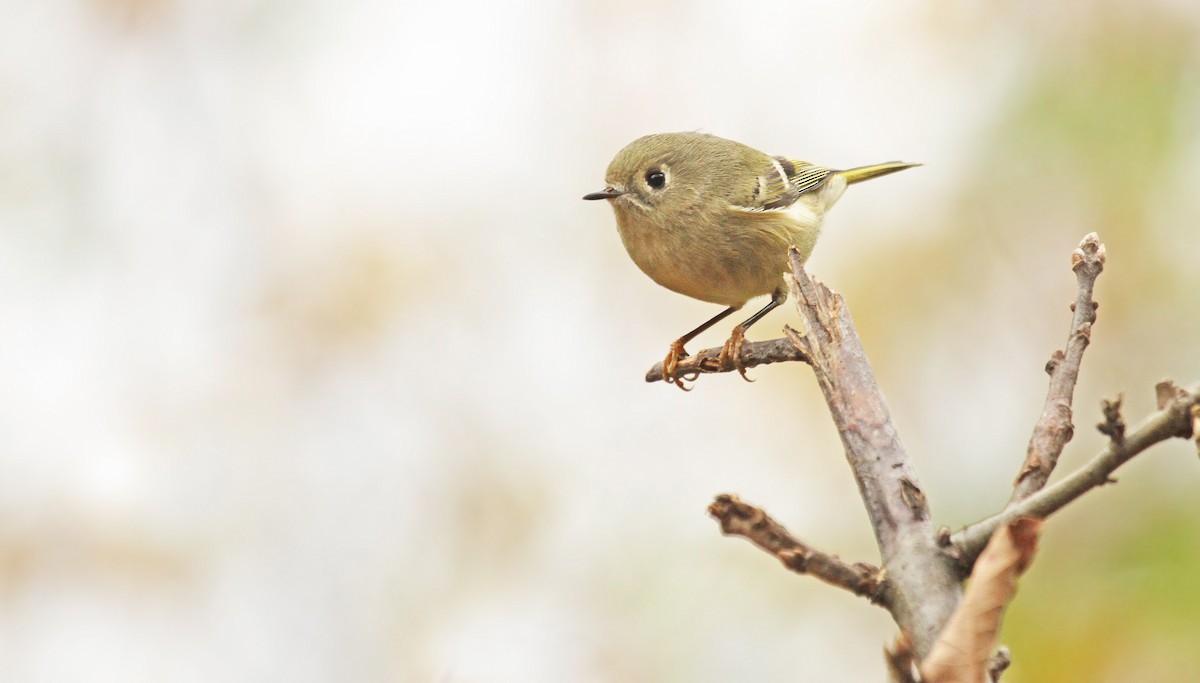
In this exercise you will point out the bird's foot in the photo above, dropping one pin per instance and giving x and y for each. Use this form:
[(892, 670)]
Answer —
[(731, 353), (670, 366)]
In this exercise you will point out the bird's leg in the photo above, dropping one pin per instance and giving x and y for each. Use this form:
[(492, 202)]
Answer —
[(732, 351), (676, 352)]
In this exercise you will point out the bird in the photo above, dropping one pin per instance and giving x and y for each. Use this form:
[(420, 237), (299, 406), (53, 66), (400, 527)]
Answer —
[(712, 219)]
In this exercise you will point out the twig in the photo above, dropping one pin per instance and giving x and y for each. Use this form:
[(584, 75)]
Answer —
[(925, 585), (1166, 392), (753, 353), (1174, 419), (745, 520), (1114, 425), (1054, 428), (999, 663)]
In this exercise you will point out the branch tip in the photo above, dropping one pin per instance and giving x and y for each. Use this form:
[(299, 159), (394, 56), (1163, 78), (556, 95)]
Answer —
[(1089, 256), (738, 518), (1054, 429)]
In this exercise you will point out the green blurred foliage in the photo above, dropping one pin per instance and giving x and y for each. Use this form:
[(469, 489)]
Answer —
[(1112, 600)]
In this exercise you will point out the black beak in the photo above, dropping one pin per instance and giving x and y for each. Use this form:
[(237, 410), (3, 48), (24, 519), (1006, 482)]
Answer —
[(606, 193)]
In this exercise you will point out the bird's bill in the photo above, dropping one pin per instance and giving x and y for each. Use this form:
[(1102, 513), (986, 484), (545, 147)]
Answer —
[(606, 193)]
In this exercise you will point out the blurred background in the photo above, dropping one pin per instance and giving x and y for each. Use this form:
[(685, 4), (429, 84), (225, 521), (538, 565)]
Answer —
[(313, 365)]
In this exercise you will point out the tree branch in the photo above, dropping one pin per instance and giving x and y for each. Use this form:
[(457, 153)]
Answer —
[(919, 581), (1176, 417), (925, 584), (753, 353), (1054, 429), (749, 522)]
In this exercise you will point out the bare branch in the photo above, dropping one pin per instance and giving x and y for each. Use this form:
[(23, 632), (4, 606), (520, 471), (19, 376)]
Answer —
[(925, 585), (753, 353), (919, 581), (1054, 428), (749, 522), (1176, 419)]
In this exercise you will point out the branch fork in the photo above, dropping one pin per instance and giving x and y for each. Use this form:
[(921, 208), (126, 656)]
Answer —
[(945, 637)]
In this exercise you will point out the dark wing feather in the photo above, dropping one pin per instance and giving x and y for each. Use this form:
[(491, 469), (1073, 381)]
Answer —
[(782, 182)]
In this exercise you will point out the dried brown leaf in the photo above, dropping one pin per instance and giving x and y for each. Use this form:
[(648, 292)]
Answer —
[(965, 645)]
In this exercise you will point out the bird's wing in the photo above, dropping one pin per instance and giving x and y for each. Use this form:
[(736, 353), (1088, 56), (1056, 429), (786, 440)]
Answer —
[(782, 182)]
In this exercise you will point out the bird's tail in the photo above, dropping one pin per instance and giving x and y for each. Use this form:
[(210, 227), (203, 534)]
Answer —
[(862, 173)]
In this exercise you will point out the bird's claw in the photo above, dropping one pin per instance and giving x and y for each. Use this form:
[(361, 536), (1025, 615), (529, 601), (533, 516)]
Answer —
[(731, 353), (670, 365)]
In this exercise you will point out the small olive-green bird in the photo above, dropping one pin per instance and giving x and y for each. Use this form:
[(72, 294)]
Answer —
[(713, 219)]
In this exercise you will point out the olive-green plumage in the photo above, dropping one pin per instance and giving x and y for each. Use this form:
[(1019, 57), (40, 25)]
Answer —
[(713, 219), (719, 227)]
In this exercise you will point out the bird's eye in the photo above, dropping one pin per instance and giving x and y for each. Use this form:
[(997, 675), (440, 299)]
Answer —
[(656, 179)]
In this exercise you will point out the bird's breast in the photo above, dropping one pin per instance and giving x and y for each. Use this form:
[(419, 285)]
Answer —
[(725, 262)]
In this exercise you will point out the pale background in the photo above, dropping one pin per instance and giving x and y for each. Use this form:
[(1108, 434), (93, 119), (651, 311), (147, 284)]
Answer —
[(314, 367)]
